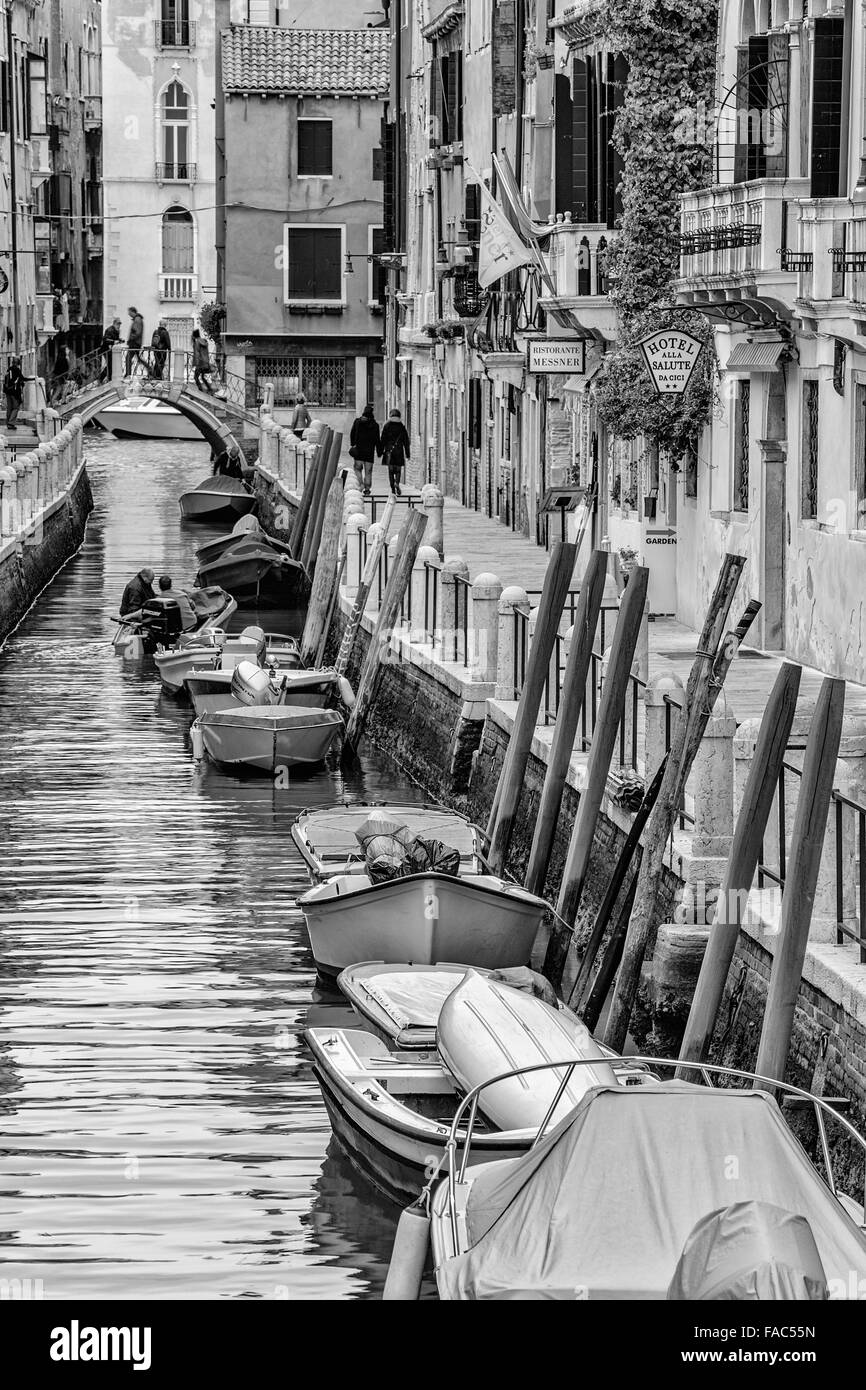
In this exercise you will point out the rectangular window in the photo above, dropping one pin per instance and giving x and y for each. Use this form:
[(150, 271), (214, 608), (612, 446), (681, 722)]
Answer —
[(314, 264), (37, 100), (323, 380), (827, 108), (809, 451), (378, 275), (315, 149), (741, 447)]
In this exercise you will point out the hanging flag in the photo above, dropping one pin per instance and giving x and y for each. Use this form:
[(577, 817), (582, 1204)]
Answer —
[(501, 248), (529, 228)]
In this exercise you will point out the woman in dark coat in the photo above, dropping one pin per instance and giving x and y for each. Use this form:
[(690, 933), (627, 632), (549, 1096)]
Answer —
[(394, 450), (363, 446)]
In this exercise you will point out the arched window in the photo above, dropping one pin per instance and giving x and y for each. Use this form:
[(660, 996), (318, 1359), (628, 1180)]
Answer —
[(175, 133), (178, 247)]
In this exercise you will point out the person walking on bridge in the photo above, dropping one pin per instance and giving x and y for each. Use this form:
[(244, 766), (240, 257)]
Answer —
[(201, 366), (135, 340), (110, 339), (160, 347)]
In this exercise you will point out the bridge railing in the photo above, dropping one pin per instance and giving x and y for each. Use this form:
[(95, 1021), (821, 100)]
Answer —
[(64, 388)]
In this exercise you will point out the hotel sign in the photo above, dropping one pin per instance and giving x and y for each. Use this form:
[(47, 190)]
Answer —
[(671, 357), (564, 356)]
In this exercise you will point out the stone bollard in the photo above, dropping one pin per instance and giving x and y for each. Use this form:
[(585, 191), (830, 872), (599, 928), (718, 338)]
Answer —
[(269, 445), (423, 615), (512, 601), (179, 361), (484, 628), (355, 525), (76, 424), (433, 503), (447, 619), (669, 685), (118, 353), (8, 499), (712, 782), (607, 618)]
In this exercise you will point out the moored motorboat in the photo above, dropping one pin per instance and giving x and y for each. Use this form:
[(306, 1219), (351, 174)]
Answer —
[(147, 417), (216, 649), (216, 499), (252, 566), (391, 1108), (161, 621), (329, 842), (267, 738), (211, 690), (608, 1202), (428, 917)]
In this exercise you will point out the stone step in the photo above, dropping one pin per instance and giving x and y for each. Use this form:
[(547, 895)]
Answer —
[(19, 441)]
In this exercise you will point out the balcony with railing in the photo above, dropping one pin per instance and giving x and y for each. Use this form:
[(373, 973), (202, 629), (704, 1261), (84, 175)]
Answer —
[(173, 33), (92, 113), (576, 256), (830, 260), (177, 287), (739, 236), (175, 173)]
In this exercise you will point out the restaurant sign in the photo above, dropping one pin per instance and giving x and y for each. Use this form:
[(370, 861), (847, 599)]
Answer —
[(566, 356), (671, 357)]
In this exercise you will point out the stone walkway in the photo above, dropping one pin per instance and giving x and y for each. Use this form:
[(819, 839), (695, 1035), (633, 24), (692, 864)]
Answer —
[(486, 544)]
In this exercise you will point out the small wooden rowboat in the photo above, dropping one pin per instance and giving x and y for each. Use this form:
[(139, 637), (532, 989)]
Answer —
[(267, 738), (329, 844), (216, 499), (250, 567), (245, 526), (424, 918)]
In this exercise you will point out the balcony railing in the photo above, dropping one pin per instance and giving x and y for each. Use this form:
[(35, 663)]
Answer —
[(832, 236), (737, 229), (171, 33), (577, 256), (93, 242), (92, 115), (174, 287), (175, 173)]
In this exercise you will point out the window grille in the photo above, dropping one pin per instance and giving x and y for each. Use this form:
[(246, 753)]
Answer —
[(810, 449), (741, 448), (323, 380)]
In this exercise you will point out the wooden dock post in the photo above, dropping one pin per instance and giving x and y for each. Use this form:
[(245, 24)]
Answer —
[(317, 510), (557, 581), (325, 577), (706, 678), (400, 576), (362, 594), (570, 706), (610, 712), (801, 877), (310, 483), (754, 813)]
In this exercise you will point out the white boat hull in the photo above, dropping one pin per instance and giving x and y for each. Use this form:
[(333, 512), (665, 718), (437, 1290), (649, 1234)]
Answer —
[(211, 691), (250, 739), (423, 919), (148, 419)]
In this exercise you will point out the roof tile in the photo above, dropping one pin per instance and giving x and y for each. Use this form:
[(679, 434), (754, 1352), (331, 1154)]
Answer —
[(263, 58)]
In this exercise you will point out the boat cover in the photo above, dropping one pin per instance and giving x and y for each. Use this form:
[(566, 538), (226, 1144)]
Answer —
[(221, 483), (603, 1206), (411, 998), (273, 716), (331, 834), (750, 1251)]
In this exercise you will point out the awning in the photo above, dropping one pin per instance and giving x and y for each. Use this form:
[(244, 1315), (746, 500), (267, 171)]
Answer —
[(761, 355)]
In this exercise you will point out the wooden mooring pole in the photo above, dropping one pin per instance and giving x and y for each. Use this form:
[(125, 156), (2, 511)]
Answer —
[(706, 677), (309, 556), (570, 705), (309, 489), (325, 577), (371, 569), (610, 713), (557, 580), (398, 581), (801, 878), (754, 813)]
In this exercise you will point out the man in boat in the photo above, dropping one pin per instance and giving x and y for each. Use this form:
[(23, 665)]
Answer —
[(137, 592), (187, 612)]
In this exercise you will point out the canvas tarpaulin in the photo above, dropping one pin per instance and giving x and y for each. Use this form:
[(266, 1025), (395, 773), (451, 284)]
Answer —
[(603, 1207), (751, 1251)]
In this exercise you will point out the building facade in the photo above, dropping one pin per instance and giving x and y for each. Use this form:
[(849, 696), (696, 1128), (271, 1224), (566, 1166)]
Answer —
[(159, 162), (775, 254), (301, 139), (50, 195)]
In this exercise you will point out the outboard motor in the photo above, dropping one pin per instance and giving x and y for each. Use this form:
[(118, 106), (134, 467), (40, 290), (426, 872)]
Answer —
[(251, 684), (161, 623)]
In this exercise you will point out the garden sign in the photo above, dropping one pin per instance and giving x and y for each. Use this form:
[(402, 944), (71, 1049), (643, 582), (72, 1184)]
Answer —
[(671, 356)]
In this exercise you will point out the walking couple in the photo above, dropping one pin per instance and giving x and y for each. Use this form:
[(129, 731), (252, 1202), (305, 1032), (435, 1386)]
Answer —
[(391, 444)]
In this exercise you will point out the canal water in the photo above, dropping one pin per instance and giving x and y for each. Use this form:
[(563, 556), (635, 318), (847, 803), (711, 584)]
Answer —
[(161, 1132)]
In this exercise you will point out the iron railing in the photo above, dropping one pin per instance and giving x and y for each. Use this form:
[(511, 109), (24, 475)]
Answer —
[(462, 605), (181, 171), (174, 33)]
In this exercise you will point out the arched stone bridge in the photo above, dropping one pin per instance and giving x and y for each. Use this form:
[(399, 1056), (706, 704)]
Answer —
[(223, 419)]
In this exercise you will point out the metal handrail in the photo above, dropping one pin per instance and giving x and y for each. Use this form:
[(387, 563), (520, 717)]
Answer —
[(707, 1070)]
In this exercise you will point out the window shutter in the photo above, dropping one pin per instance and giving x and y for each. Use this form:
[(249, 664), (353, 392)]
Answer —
[(389, 192), (474, 429), (563, 121), (741, 153), (504, 57), (778, 102), (378, 164)]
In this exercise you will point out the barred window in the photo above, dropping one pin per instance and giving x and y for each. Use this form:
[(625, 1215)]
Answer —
[(322, 380), (809, 461), (741, 447)]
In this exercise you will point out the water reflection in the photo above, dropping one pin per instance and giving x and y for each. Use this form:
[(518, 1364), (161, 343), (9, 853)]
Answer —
[(163, 1134)]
